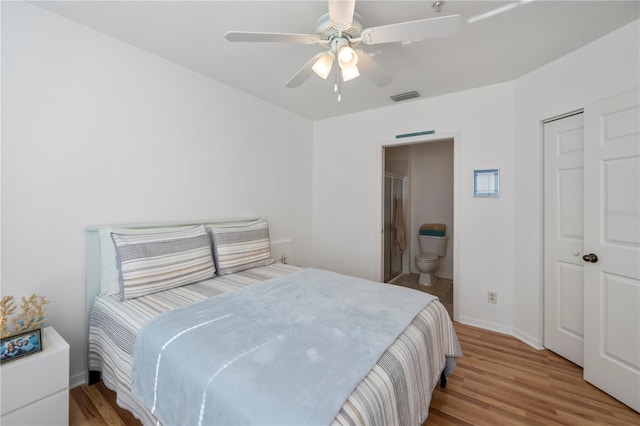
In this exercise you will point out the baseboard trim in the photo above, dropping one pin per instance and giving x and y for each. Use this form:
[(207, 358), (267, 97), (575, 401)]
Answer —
[(528, 339), (77, 379), (487, 325), (504, 329), (445, 275)]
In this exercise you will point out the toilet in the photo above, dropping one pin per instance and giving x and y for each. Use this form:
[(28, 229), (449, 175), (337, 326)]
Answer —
[(432, 248)]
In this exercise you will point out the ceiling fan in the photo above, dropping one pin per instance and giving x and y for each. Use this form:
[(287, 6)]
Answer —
[(341, 30)]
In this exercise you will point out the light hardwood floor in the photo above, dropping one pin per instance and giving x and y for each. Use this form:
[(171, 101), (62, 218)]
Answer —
[(499, 381), (503, 381)]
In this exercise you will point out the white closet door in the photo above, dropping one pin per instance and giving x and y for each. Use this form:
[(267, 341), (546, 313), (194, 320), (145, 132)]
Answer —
[(612, 233), (563, 240)]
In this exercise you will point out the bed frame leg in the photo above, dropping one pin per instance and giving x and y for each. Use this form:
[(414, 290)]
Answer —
[(443, 380), (94, 377)]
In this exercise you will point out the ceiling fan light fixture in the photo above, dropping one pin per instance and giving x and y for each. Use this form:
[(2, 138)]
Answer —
[(342, 29), (349, 73), (347, 57), (323, 65)]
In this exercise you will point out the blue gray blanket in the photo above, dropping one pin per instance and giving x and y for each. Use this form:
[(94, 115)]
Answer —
[(288, 351)]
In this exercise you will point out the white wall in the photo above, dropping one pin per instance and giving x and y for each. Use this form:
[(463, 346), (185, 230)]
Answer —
[(347, 191), (95, 131), (605, 67)]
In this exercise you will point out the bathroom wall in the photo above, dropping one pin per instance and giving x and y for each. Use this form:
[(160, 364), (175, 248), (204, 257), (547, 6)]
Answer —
[(432, 197), (396, 160)]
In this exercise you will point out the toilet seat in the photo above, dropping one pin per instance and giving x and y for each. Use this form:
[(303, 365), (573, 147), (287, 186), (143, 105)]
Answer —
[(426, 258)]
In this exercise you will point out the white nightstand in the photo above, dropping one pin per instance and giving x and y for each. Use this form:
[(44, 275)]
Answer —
[(35, 388)]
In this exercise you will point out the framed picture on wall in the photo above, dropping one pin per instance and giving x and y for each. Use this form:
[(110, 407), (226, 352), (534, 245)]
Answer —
[(486, 183)]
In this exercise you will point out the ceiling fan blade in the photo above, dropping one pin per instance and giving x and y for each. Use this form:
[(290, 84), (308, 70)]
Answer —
[(303, 74), (341, 13), (372, 70), (271, 37), (443, 26)]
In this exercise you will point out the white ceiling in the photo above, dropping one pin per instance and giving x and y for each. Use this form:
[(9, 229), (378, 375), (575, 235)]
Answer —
[(498, 48)]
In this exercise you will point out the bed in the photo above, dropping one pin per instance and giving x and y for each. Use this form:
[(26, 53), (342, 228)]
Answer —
[(123, 308)]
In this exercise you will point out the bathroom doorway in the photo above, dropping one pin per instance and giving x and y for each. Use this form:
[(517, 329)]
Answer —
[(428, 171)]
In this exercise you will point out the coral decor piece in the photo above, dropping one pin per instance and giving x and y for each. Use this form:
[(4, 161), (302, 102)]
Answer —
[(30, 317)]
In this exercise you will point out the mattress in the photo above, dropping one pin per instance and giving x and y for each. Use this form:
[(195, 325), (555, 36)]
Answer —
[(396, 391)]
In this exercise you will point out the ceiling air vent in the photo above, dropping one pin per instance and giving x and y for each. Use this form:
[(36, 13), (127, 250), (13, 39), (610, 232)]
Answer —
[(405, 96)]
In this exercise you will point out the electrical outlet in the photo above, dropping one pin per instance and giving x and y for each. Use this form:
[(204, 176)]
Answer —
[(492, 297)]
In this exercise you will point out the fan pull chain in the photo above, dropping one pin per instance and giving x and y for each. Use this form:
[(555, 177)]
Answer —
[(337, 86)]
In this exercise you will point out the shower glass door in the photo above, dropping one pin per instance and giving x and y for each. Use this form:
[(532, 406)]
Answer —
[(393, 190)]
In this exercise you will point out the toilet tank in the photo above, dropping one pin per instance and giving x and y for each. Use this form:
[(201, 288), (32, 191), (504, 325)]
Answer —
[(435, 245)]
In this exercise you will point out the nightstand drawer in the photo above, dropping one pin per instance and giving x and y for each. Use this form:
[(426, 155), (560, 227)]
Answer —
[(51, 411), (36, 376)]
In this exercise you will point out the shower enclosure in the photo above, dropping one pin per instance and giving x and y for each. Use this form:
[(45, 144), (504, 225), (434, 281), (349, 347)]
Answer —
[(394, 186)]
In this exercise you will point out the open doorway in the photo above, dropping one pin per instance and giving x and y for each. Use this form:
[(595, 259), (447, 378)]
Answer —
[(427, 172)]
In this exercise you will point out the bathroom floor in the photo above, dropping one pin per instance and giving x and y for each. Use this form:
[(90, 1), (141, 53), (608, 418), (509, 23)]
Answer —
[(443, 289)]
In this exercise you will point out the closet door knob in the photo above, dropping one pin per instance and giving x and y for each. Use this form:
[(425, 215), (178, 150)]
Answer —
[(591, 257)]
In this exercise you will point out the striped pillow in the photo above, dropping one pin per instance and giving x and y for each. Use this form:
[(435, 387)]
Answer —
[(110, 276), (149, 263), (241, 247)]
